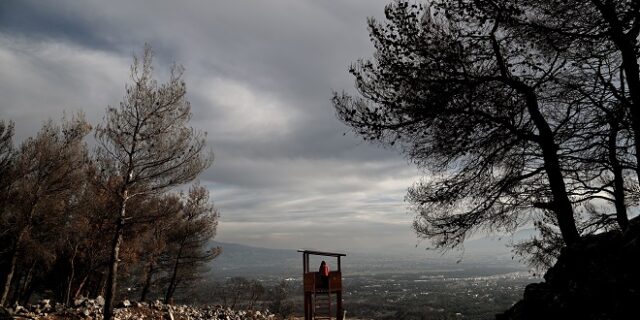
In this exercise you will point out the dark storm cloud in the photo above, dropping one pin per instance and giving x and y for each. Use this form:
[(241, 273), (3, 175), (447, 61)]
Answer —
[(46, 20), (259, 75)]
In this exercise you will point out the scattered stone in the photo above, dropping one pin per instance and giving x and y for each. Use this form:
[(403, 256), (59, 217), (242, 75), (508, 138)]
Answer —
[(79, 301), (59, 307), (18, 309), (125, 304), (169, 315), (85, 308), (99, 301)]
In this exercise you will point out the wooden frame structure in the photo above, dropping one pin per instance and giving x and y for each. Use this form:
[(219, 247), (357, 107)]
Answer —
[(313, 288)]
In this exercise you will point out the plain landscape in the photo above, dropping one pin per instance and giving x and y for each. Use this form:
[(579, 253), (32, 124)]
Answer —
[(478, 283)]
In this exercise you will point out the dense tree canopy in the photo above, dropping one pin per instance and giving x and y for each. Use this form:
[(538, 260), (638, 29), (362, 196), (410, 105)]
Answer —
[(516, 110), (66, 212), (46, 173)]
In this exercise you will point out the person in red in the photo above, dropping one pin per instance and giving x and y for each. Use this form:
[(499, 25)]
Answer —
[(324, 275)]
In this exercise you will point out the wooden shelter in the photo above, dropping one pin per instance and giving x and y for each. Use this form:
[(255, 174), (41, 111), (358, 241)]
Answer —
[(318, 296)]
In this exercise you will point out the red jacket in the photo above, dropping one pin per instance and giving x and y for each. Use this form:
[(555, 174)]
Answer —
[(324, 270)]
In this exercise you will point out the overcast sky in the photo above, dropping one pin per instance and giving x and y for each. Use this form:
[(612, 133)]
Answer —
[(259, 77)]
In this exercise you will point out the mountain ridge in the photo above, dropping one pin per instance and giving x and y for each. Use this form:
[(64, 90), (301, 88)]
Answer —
[(489, 251)]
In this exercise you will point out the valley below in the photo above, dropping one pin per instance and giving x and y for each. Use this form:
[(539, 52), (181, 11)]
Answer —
[(476, 285)]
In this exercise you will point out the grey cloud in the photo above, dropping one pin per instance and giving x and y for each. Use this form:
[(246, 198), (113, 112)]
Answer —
[(41, 79), (259, 75)]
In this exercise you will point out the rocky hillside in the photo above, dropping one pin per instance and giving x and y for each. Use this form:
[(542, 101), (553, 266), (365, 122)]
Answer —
[(597, 278), (92, 309)]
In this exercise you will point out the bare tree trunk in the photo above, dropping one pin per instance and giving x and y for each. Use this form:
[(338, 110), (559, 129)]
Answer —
[(112, 278), (561, 204), (81, 286), (19, 284), (147, 282), (25, 291), (8, 278), (626, 45), (172, 284), (27, 295), (102, 285), (12, 268), (71, 275), (632, 71), (618, 179)]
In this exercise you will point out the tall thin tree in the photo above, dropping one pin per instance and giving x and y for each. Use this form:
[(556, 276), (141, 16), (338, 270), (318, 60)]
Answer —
[(190, 238), (148, 145)]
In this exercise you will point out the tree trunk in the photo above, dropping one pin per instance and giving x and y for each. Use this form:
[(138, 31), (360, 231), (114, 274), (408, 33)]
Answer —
[(618, 179), (19, 284), (71, 275), (174, 277), (632, 71), (112, 279), (102, 285), (81, 286), (8, 278), (27, 296), (147, 282), (561, 203), (626, 45), (26, 287)]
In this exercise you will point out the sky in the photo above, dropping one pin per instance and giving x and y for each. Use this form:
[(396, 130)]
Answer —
[(260, 76)]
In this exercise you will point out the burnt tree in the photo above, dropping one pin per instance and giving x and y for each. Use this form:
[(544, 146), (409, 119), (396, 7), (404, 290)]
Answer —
[(146, 143)]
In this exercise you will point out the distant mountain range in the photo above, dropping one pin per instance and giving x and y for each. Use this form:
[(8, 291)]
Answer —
[(241, 260), (486, 253)]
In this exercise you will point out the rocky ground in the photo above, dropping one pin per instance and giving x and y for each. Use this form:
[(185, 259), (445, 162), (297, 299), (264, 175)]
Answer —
[(596, 278), (92, 309)]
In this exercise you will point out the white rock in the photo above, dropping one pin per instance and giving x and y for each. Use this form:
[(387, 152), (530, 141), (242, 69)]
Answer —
[(78, 302), (170, 315), (100, 301)]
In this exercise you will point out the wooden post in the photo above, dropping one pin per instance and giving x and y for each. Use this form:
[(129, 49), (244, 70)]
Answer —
[(304, 292), (306, 307), (304, 264), (339, 312)]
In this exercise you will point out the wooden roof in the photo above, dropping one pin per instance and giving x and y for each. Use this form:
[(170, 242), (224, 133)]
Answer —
[(321, 253)]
